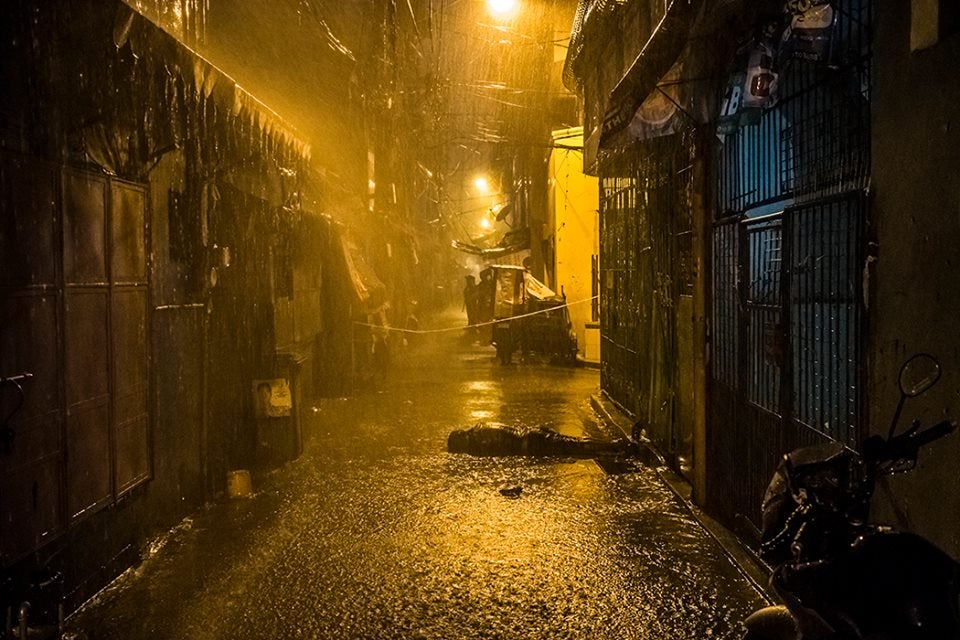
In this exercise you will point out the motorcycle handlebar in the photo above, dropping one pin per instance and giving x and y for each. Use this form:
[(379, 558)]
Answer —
[(935, 432), (906, 446)]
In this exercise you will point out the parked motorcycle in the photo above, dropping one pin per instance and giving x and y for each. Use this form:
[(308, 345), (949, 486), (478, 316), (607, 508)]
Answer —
[(839, 576)]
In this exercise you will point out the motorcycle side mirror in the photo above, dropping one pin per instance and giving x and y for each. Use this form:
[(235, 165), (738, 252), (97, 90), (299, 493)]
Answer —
[(917, 375)]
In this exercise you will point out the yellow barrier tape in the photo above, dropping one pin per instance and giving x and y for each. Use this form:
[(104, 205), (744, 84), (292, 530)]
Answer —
[(474, 326)]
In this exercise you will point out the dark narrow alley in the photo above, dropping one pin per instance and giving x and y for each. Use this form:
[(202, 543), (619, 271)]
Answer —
[(377, 532)]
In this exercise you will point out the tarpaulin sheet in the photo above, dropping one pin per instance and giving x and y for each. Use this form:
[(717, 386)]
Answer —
[(537, 289), (366, 284), (657, 57)]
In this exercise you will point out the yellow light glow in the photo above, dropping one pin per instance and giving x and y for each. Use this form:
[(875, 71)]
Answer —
[(502, 7), (481, 184), (479, 385), (485, 223)]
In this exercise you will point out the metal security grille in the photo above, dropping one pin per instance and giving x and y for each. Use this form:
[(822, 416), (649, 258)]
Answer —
[(764, 243), (815, 140), (788, 259), (646, 275), (826, 149), (624, 271), (787, 339), (726, 305), (826, 312), (811, 308)]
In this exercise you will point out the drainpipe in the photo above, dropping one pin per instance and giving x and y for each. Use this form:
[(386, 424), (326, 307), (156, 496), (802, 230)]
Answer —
[(703, 260)]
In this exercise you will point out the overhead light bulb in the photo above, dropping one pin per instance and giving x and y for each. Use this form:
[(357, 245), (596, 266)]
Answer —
[(502, 7)]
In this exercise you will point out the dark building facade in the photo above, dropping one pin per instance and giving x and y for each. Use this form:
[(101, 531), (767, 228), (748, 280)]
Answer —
[(911, 283), (646, 140), (153, 271), (778, 194)]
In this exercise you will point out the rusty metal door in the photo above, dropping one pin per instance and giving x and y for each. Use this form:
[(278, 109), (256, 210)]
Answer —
[(106, 361), (86, 354), (129, 320), (74, 311), (31, 470)]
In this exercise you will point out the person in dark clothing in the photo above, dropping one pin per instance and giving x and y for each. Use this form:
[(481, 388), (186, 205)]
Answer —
[(482, 440), (471, 300), (485, 293)]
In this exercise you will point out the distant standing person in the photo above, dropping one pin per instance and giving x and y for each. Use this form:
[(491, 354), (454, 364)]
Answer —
[(470, 300), (485, 294)]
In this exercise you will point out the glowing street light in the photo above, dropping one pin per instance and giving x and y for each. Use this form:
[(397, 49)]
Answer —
[(485, 222), (481, 184), (502, 8)]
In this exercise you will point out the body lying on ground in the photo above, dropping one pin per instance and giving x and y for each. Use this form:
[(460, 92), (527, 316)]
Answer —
[(483, 440)]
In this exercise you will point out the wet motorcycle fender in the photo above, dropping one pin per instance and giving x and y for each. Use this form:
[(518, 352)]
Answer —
[(771, 623)]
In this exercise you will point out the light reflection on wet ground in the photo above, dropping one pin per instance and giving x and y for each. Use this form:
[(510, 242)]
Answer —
[(377, 532)]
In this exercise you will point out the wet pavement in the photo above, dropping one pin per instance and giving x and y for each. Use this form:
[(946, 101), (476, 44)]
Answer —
[(377, 532)]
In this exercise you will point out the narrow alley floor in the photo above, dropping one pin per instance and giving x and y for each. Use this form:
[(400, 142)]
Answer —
[(378, 532)]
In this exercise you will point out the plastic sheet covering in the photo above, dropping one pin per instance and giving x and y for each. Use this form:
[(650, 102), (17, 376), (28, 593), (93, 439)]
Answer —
[(537, 289), (658, 55), (512, 242), (130, 92), (367, 286)]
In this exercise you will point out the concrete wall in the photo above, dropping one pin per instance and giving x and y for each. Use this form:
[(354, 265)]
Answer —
[(575, 226), (914, 287)]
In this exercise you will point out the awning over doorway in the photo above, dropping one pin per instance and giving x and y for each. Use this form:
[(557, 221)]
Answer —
[(656, 58)]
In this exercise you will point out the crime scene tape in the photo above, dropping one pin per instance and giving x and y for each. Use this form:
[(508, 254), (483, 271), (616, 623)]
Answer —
[(474, 326)]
